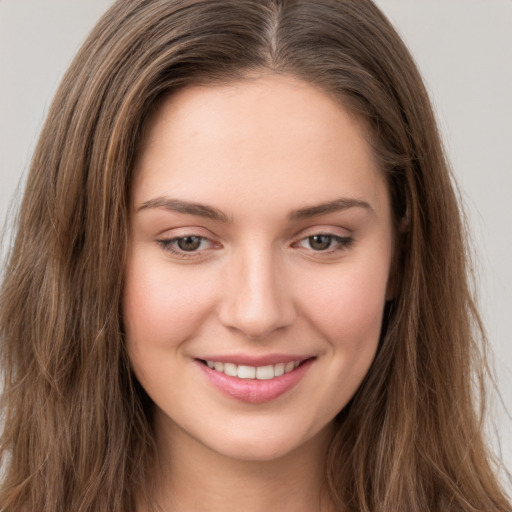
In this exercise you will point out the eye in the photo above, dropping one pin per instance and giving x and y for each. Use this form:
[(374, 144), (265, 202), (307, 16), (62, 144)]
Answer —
[(320, 242), (323, 242), (189, 243), (186, 246)]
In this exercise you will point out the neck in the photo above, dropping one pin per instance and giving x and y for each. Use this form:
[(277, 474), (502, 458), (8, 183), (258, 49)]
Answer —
[(191, 477)]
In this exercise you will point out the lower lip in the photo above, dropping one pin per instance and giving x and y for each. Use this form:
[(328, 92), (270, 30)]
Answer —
[(254, 390)]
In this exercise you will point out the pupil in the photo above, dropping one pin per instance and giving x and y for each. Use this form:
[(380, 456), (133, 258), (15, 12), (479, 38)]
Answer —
[(320, 242), (189, 243)]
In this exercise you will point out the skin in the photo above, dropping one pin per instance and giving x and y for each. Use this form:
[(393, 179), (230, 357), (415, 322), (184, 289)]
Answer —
[(262, 152)]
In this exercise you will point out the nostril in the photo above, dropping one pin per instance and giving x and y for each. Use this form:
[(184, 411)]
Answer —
[(257, 321)]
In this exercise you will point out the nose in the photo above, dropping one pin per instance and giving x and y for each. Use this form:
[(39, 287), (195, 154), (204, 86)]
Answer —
[(257, 300)]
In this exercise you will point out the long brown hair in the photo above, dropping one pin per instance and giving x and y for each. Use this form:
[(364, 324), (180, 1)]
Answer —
[(77, 426)]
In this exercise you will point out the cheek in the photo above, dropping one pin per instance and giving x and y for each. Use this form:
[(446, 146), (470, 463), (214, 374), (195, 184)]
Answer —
[(162, 306), (346, 306), (347, 313)]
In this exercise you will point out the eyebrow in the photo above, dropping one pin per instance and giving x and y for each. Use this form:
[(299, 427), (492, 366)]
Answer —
[(335, 205), (191, 208), (203, 210)]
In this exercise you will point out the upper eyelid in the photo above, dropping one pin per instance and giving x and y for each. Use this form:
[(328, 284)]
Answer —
[(183, 232), (193, 229), (324, 230)]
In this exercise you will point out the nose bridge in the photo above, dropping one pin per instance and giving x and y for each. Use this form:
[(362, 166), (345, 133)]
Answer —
[(256, 300)]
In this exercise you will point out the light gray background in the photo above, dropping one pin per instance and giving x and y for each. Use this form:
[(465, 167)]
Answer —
[(463, 48)]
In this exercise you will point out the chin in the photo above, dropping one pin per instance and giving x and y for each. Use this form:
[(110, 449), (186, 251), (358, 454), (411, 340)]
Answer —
[(266, 445)]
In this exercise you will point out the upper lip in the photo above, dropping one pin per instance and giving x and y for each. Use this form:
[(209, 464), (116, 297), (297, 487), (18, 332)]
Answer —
[(252, 360)]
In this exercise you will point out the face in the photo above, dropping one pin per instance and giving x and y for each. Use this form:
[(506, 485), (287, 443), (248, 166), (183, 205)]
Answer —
[(260, 250)]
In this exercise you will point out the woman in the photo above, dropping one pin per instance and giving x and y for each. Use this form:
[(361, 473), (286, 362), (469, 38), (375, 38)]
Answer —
[(239, 276)]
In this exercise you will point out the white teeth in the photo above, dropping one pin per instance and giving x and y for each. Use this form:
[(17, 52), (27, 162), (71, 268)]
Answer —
[(230, 369), (253, 372), (279, 369), (288, 367), (246, 372), (265, 372)]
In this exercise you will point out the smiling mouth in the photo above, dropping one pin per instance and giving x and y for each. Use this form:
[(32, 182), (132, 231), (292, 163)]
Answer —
[(266, 372), (255, 384)]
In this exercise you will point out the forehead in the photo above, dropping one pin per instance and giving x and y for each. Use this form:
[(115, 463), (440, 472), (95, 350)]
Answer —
[(267, 137)]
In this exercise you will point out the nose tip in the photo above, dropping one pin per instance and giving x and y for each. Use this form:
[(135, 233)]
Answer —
[(255, 321), (257, 303)]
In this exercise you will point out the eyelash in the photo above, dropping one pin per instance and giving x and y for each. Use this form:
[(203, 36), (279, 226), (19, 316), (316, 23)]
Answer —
[(171, 245), (336, 244)]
